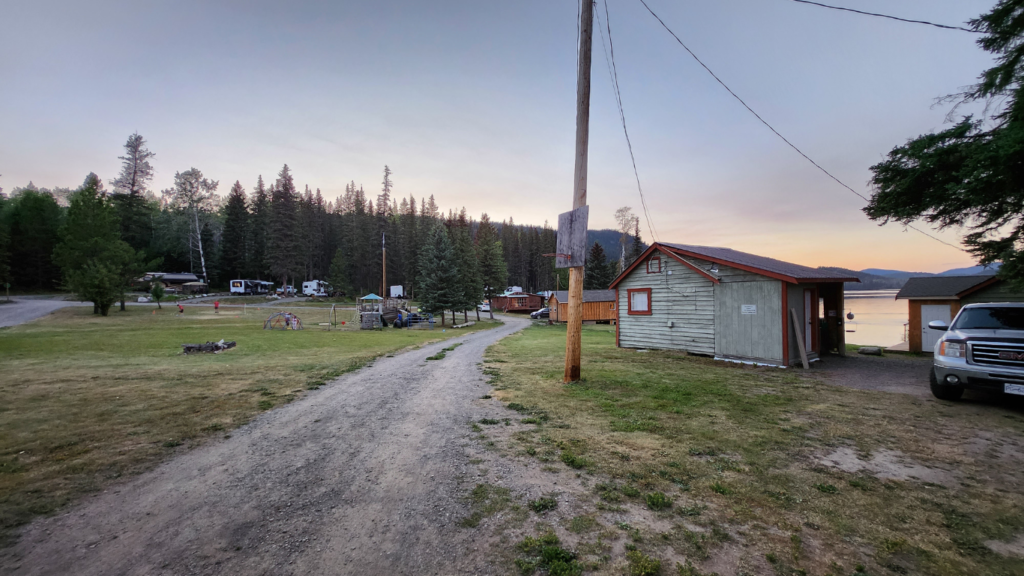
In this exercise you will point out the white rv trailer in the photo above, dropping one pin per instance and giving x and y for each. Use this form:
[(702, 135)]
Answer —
[(315, 288), (241, 287), (248, 287)]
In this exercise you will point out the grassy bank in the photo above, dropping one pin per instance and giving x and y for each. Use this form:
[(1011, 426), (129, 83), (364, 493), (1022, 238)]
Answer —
[(741, 469), (88, 400)]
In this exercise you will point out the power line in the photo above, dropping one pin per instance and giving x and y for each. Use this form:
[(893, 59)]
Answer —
[(776, 132), (613, 73), (961, 28)]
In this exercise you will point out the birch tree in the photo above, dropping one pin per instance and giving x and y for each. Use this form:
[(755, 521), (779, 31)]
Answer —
[(626, 220), (196, 196)]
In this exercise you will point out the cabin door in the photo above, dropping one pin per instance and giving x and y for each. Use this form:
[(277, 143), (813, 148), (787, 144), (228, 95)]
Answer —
[(930, 313), (810, 317)]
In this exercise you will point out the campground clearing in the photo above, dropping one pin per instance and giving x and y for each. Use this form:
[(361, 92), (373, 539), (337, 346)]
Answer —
[(700, 466), (89, 400)]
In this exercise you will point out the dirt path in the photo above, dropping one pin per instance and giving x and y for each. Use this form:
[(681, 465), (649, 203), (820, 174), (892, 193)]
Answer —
[(23, 309), (367, 475)]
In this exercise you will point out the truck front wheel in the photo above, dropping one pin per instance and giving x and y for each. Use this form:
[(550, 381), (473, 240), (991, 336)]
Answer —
[(945, 391)]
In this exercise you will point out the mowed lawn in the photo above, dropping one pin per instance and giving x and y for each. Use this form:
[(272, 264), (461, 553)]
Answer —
[(753, 461), (87, 399)]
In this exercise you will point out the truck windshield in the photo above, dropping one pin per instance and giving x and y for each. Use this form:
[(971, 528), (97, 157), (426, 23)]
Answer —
[(1009, 318)]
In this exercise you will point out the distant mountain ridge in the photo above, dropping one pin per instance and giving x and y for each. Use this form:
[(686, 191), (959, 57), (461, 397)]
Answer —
[(882, 279)]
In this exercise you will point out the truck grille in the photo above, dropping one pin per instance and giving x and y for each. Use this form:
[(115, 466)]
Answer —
[(998, 354)]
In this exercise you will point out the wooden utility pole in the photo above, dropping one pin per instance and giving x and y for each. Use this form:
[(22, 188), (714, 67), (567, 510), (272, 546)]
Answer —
[(384, 268), (573, 337)]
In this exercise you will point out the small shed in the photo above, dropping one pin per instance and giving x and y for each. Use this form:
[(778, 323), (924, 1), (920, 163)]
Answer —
[(598, 306), (729, 305), (519, 302), (933, 298)]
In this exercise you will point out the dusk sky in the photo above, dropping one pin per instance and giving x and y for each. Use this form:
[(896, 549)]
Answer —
[(474, 102)]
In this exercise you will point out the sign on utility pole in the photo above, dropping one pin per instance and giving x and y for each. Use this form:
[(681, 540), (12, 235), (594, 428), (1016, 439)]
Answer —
[(573, 340)]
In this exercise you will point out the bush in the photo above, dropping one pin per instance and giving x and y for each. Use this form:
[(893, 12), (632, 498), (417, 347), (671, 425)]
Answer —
[(658, 501), (542, 505), (642, 565)]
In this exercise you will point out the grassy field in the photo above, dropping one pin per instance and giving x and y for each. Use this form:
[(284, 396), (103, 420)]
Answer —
[(742, 467), (88, 400)]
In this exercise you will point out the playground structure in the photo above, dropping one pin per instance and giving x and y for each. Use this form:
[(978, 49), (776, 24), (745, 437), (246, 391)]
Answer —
[(371, 312), (376, 312), (282, 321)]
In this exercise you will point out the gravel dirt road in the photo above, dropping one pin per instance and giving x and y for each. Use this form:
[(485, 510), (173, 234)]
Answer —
[(24, 309), (368, 475)]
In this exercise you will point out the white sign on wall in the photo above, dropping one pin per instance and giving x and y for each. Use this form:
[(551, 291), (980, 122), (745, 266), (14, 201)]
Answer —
[(749, 308)]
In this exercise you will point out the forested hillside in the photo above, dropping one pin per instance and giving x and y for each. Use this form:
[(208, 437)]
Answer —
[(278, 231)]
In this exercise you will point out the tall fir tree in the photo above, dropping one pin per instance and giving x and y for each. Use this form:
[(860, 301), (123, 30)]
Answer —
[(234, 243), (33, 220), (636, 247), (259, 220), (439, 276), (470, 282), (489, 253), (130, 189), (283, 247), (598, 273)]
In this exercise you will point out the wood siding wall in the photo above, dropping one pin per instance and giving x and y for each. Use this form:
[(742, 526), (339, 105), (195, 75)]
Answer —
[(592, 311), (678, 295), (530, 303), (706, 318), (749, 336)]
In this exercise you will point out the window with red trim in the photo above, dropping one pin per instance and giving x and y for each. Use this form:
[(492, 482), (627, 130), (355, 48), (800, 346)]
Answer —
[(654, 265), (639, 300)]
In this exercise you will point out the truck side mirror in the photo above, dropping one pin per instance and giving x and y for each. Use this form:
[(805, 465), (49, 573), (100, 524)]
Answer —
[(938, 325)]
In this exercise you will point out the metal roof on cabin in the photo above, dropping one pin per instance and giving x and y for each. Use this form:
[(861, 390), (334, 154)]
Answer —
[(588, 295), (772, 265), (172, 277), (939, 286)]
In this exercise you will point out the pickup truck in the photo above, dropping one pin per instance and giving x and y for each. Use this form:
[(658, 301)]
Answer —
[(982, 349)]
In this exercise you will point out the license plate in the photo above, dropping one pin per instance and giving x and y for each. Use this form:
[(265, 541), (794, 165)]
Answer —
[(1017, 389)]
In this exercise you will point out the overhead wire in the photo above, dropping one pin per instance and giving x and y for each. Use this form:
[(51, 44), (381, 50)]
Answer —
[(613, 74), (776, 132), (944, 26)]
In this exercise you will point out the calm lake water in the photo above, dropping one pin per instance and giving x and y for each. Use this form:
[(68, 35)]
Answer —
[(878, 317)]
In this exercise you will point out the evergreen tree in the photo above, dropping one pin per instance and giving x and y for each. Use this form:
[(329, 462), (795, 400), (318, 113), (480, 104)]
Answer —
[(259, 224), (157, 293), (408, 233), (439, 276), (470, 281), (235, 238), (493, 271), (598, 273), (96, 263), (5, 244), (283, 249), (636, 248), (33, 220), (384, 198), (970, 175), (338, 276), (130, 189)]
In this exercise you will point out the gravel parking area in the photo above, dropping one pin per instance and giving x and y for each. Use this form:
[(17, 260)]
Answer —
[(902, 374)]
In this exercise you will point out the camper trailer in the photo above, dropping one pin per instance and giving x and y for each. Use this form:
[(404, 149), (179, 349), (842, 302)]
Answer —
[(241, 287), (316, 288)]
